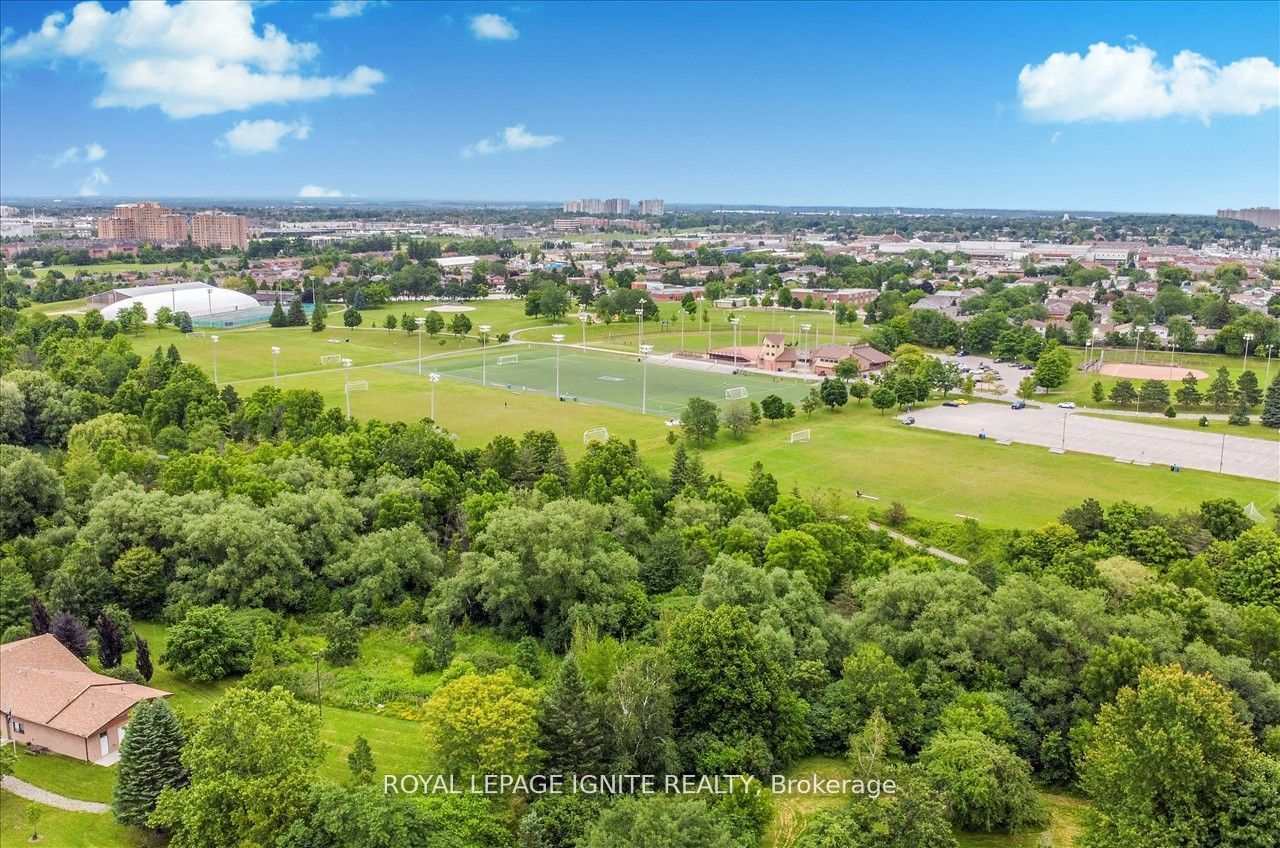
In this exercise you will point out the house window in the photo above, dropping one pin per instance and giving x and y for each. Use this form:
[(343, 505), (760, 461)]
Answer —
[(17, 727)]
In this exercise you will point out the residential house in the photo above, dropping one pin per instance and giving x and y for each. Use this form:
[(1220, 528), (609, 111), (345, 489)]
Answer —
[(50, 699)]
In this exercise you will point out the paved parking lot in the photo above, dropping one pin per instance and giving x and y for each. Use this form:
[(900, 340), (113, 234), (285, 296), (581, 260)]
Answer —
[(1052, 427)]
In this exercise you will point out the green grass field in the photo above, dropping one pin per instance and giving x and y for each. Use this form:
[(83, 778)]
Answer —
[(62, 829), (936, 475), (1191, 421), (1080, 384)]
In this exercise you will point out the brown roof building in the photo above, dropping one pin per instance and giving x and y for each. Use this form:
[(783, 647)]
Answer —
[(49, 698)]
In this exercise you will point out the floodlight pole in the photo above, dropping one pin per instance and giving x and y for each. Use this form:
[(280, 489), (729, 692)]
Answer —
[(640, 315), (1173, 348), (346, 383), (1268, 380), (1244, 360), (833, 326), (558, 338), (735, 321), (419, 321), (644, 380), (1137, 339), (583, 317), (213, 342), (484, 354), (434, 378), (1064, 430), (1088, 354), (275, 366)]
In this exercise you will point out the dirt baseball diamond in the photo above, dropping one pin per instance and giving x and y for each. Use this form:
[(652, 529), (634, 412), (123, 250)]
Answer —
[(1149, 372)]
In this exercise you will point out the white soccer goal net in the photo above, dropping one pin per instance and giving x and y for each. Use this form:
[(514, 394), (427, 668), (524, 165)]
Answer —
[(599, 434), (800, 436), (358, 385), (1254, 513), (735, 393), (196, 334), (331, 359), (509, 359)]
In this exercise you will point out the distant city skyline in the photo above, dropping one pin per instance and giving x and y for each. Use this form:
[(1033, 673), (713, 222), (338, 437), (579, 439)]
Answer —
[(1150, 108)]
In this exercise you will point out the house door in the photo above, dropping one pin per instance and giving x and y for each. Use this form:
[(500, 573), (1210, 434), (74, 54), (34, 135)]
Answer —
[(104, 743)]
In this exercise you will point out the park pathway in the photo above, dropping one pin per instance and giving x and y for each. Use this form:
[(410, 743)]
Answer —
[(50, 799), (916, 543)]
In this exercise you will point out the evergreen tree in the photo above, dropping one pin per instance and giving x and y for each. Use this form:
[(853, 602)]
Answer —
[(762, 488), (173, 356), (74, 636), (296, 316), (1220, 392), (1123, 393), (679, 463), (570, 726), (150, 761), (142, 660), (39, 617), (183, 320), (278, 318), (1189, 394), (317, 319), (360, 761), (1153, 394), (1247, 387), (110, 641), (1097, 393), (1271, 407), (1240, 415)]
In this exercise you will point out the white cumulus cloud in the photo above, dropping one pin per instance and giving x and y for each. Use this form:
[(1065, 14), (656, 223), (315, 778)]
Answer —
[(91, 152), (187, 59), (264, 136), (347, 8), (1113, 83), (491, 27), (311, 190), (512, 138), (96, 180)]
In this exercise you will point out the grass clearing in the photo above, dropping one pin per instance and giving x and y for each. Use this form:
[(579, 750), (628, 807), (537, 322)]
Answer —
[(65, 776), (1191, 421), (62, 828)]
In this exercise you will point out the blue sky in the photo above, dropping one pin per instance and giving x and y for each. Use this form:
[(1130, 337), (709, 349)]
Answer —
[(1149, 107)]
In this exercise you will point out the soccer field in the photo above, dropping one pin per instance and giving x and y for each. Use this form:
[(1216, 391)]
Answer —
[(617, 380)]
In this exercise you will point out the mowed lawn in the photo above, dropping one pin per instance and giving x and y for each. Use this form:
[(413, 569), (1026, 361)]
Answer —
[(1079, 387), (62, 829), (935, 475)]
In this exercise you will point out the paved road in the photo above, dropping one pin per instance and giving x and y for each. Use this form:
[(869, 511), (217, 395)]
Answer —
[(50, 799), (1127, 440)]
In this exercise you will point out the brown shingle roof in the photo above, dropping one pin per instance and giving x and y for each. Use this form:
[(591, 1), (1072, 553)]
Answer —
[(42, 682)]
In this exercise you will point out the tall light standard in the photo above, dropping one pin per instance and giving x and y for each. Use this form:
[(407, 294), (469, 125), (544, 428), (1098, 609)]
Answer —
[(584, 318), (213, 343), (833, 326), (645, 350), (275, 366), (346, 383), (735, 321), (1268, 380), (1244, 360), (683, 313), (420, 321), (1088, 353), (804, 334), (484, 354), (434, 378), (1137, 339), (1173, 348), (557, 338), (640, 315)]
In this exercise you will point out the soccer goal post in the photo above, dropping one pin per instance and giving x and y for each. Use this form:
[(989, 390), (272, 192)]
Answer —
[(735, 393), (331, 359), (196, 334), (599, 434), (800, 436), (1254, 513), (509, 359), (358, 386)]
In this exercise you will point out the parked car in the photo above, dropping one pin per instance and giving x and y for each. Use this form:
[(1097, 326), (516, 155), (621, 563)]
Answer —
[(1019, 404), (950, 403), (909, 420), (1067, 404), (962, 402)]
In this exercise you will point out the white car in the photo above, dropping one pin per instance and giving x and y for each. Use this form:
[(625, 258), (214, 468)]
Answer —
[(673, 422), (1067, 404)]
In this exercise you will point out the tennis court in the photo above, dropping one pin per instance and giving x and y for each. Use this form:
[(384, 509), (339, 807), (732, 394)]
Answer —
[(616, 380)]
